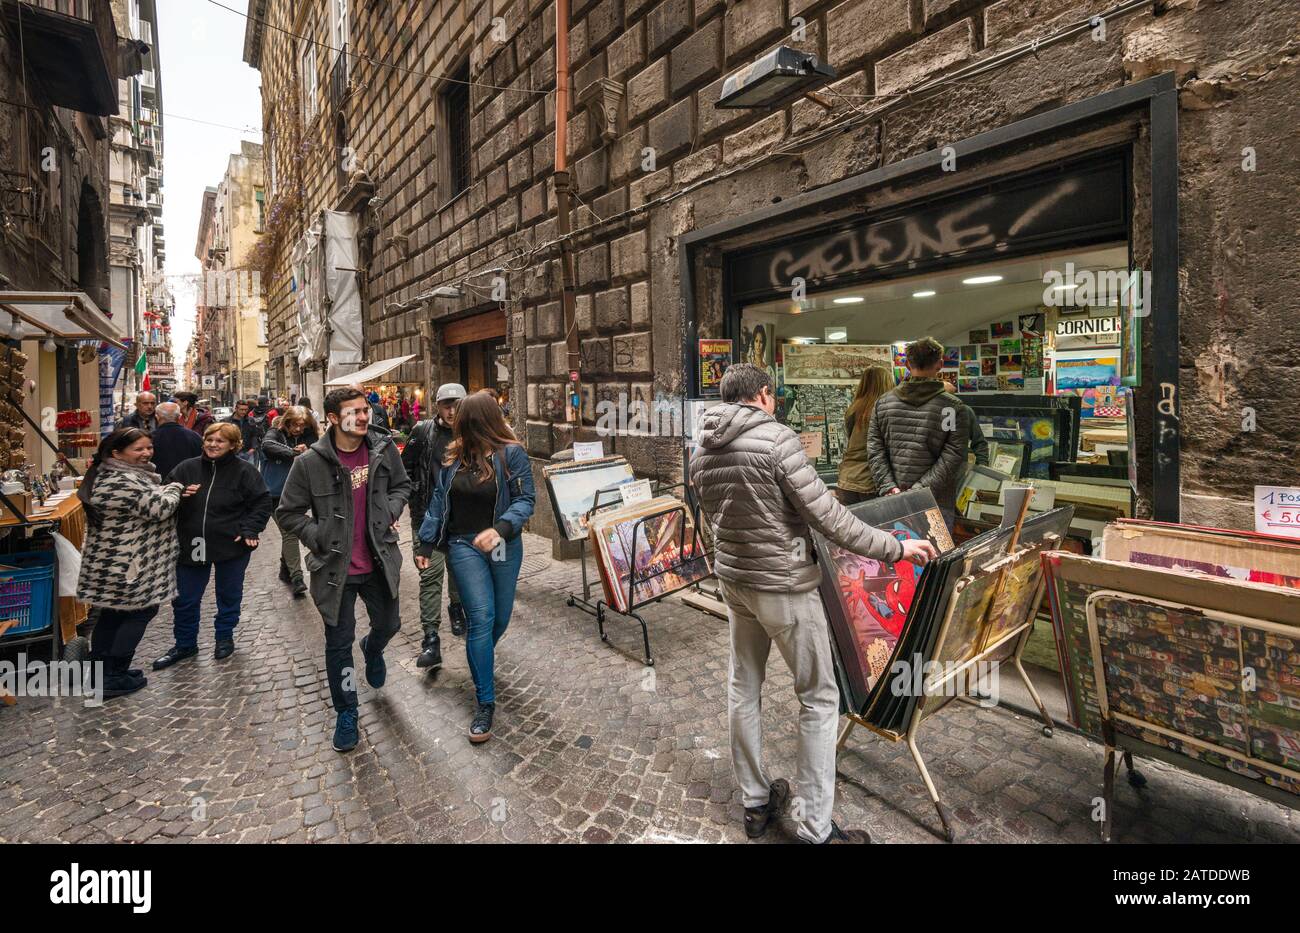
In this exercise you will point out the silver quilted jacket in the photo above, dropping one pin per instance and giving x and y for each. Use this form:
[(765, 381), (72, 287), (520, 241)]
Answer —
[(761, 495)]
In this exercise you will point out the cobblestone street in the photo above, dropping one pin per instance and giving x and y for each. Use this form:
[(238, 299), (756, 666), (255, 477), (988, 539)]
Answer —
[(590, 745)]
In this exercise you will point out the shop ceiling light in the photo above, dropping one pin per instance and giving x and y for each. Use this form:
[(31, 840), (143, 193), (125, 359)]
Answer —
[(928, 293), (773, 80), (849, 300), (981, 279)]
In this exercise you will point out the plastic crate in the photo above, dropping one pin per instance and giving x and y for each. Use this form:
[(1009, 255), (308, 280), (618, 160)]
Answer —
[(27, 594)]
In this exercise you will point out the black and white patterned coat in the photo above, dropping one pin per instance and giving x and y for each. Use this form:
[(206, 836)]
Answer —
[(129, 560)]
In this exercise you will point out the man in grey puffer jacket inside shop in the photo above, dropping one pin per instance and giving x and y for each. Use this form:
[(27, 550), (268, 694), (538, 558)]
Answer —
[(761, 496)]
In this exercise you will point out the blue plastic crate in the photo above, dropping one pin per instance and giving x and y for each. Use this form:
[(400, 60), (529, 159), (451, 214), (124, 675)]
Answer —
[(27, 594)]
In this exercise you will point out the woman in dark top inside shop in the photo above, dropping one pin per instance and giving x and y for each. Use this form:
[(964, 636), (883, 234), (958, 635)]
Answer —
[(483, 498)]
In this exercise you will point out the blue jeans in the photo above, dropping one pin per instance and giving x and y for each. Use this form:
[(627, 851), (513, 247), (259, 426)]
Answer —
[(192, 582), (487, 591)]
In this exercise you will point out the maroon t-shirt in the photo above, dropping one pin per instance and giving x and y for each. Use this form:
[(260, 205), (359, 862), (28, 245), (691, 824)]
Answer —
[(357, 464)]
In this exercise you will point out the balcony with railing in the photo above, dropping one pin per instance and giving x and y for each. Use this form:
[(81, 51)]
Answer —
[(71, 46)]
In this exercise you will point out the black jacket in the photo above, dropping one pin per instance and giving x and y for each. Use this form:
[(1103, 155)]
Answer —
[(250, 428), (278, 453), (422, 458), (134, 420), (173, 443), (232, 502)]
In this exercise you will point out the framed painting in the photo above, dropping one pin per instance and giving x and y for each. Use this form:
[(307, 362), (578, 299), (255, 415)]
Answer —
[(572, 489), (831, 363), (647, 551), (1049, 424)]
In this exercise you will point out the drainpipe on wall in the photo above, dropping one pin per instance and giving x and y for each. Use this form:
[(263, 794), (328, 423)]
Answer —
[(573, 401)]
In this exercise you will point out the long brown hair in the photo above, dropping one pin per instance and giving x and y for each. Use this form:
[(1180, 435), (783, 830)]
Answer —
[(480, 432), (875, 382)]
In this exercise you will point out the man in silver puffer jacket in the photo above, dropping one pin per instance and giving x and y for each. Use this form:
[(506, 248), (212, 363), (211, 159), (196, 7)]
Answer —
[(761, 496)]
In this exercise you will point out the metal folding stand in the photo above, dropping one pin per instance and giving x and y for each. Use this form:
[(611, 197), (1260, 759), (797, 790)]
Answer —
[(600, 608)]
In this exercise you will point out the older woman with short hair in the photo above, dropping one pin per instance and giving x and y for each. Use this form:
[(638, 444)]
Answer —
[(218, 527)]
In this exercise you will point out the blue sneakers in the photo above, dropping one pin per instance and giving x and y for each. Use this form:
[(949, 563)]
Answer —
[(345, 731), (376, 669)]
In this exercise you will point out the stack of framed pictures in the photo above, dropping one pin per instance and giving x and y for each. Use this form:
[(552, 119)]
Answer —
[(572, 487), (646, 551), (1047, 424)]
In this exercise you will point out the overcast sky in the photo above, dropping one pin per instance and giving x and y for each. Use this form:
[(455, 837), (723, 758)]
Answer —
[(204, 81)]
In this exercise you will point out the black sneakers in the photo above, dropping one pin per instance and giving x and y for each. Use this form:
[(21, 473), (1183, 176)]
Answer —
[(430, 655), (845, 836), (224, 650), (480, 730), (757, 818)]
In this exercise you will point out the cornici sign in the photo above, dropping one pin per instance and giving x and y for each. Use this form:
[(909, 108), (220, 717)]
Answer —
[(1087, 326), (1086, 203)]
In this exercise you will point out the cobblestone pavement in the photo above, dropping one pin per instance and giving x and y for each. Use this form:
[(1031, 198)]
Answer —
[(590, 745)]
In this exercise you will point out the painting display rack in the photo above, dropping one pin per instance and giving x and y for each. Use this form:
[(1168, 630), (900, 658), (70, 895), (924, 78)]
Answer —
[(994, 650), (600, 608)]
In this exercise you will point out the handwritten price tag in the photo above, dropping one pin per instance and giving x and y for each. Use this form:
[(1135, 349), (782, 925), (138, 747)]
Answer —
[(1277, 510), (638, 491)]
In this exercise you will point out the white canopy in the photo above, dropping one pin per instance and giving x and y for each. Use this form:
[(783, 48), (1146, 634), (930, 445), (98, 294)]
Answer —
[(67, 315), (372, 373)]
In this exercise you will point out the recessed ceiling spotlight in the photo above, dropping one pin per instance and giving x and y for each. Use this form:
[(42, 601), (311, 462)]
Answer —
[(981, 280), (927, 293), (848, 300)]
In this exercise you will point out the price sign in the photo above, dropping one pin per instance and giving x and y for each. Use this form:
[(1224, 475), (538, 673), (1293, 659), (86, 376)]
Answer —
[(1277, 510), (637, 491), (588, 450)]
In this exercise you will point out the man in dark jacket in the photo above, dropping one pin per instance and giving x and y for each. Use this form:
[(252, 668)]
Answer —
[(761, 497), (172, 442), (242, 417), (143, 417), (342, 500), (422, 459), (918, 435)]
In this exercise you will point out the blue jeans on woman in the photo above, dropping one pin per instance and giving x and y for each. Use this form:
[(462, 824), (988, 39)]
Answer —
[(487, 592)]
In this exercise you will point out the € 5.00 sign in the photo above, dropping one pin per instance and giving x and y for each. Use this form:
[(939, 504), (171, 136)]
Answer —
[(1277, 510)]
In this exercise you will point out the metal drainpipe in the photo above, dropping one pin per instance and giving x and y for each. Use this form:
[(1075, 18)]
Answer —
[(573, 403)]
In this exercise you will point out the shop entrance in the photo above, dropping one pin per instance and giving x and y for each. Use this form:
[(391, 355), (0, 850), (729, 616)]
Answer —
[(480, 353)]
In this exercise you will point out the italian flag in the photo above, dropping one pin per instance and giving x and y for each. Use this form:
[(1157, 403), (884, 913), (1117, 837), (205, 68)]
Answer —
[(142, 370)]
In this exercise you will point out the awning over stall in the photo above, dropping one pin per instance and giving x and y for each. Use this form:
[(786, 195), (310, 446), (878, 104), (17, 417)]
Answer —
[(64, 315), (372, 373)]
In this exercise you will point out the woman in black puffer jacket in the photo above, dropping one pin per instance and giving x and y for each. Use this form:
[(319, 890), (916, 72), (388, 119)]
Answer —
[(289, 438), (219, 527)]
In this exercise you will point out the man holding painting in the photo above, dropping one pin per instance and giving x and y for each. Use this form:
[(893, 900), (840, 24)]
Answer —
[(761, 496)]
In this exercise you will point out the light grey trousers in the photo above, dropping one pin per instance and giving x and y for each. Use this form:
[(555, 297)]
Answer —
[(796, 622)]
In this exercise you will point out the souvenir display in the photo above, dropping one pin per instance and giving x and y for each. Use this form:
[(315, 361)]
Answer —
[(646, 551), (572, 488)]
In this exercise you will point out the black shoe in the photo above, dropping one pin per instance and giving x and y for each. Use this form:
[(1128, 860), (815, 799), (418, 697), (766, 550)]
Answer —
[(457, 614), (284, 572), (480, 730), (345, 730), (123, 685), (135, 673), (430, 655), (299, 588), (224, 650), (174, 654), (376, 669), (757, 818), (839, 836)]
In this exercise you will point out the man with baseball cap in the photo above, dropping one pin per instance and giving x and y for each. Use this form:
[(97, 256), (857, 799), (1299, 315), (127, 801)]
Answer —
[(422, 459)]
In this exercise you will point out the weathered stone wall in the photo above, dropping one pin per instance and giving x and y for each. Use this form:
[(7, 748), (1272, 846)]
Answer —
[(1233, 59)]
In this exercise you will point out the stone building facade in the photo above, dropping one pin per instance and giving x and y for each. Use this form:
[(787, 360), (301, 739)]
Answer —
[(655, 164)]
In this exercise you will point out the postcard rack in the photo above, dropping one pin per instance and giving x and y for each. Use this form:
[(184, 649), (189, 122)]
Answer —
[(599, 608), (1007, 646)]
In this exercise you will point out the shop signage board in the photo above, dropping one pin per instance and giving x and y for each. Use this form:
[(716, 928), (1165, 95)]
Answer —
[(1277, 510)]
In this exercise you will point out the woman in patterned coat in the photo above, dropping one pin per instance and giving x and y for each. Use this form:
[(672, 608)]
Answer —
[(128, 561)]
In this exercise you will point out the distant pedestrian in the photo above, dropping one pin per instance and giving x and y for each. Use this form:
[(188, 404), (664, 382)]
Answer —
[(173, 442), (477, 512), (761, 497), (293, 433), (218, 529), (242, 417), (128, 560), (423, 456), (378, 414), (342, 499), (918, 435), (193, 415), (143, 417)]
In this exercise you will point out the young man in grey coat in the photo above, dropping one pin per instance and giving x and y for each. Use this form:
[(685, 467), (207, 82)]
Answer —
[(342, 500), (761, 497)]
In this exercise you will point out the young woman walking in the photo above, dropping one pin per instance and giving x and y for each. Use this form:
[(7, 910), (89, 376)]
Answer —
[(128, 561), (483, 497)]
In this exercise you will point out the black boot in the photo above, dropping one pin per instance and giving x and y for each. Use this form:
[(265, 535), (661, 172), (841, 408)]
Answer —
[(457, 613), (299, 587), (284, 572), (430, 654), (480, 730)]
